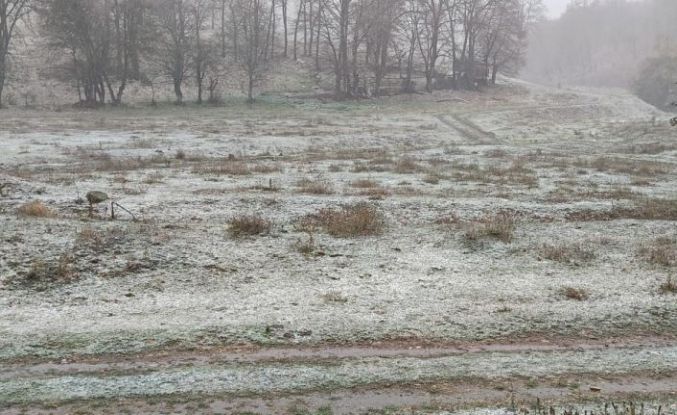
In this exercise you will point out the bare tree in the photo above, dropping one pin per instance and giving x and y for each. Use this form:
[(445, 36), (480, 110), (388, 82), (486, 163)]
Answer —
[(380, 22), (283, 5), (336, 24), (11, 13), (176, 26), (505, 37), (201, 52), (253, 26), (296, 28), (101, 39), (429, 37)]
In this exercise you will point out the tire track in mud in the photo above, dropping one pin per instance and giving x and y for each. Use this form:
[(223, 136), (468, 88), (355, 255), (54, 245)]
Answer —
[(472, 132), (468, 130), (366, 400), (303, 372)]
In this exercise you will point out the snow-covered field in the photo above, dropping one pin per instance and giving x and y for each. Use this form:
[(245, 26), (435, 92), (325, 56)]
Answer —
[(584, 180)]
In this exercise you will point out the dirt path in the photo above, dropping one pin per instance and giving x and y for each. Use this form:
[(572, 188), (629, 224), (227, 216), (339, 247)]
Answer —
[(467, 129), (348, 378), (438, 395)]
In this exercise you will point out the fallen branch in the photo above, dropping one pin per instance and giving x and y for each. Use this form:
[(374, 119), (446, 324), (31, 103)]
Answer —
[(112, 210)]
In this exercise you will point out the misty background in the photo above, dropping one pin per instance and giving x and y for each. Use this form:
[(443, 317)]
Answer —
[(555, 8), (102, 52), (614, 43)]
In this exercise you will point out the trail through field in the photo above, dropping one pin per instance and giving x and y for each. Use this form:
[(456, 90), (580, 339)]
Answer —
[(467, 129), (353, 378)]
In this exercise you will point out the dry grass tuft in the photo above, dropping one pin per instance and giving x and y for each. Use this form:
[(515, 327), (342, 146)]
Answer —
[(379, 165), (376, 193), (515, 173), (224, 168), (500, 226), (35, 209), (335, 297), (573, 254), (648, 209), (661, 251), (669, 286), (60, 270), (451, 220), (315, 187), (349, 221), (266, 168), (248, 225), (364, 184), (336, 168), (306, 247), (572, 293), (407, 166), (626, 166)]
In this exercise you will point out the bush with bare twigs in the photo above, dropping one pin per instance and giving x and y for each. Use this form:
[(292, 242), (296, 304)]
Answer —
[(573, 254), (58, 270), (248, 225), (499, 226), (314, 187), (35, 209), (572, 293), (350, 221)]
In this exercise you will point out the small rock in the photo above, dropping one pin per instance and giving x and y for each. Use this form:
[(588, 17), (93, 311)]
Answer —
[(94, 198)]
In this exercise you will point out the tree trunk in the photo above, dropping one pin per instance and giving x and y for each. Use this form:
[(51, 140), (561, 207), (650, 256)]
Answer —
[(178, 92), (296, 29), (342, 73), (199, 59), (223, 28), (311, 19), (317, 38), (236, 51), (250, 89), (273, 19), (3, 70), (284, 22)]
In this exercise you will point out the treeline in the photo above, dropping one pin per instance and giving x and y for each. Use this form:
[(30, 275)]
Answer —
[(101, 46), (622, 43)]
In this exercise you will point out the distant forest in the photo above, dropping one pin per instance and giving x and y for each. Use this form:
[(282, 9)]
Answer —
[(630, 44), (365, 47)]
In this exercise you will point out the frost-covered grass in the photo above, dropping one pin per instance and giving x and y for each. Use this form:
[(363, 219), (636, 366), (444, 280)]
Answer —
[(382, 199)]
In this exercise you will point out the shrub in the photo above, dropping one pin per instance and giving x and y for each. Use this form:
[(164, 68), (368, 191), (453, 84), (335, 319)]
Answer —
[(661, 251), (578, 294), (500, 226), (669, 286), (655, 79), (314, 187), (364, 184), (375, 193), (567, 253), (35, 209), (60, 270), (349, 221), (248, 225), (334, 297), (407, 166), (306, 247), (226, 167), (648, 209)]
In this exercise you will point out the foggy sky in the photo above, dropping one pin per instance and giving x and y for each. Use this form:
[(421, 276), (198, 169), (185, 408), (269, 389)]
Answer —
[(555, 8)]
